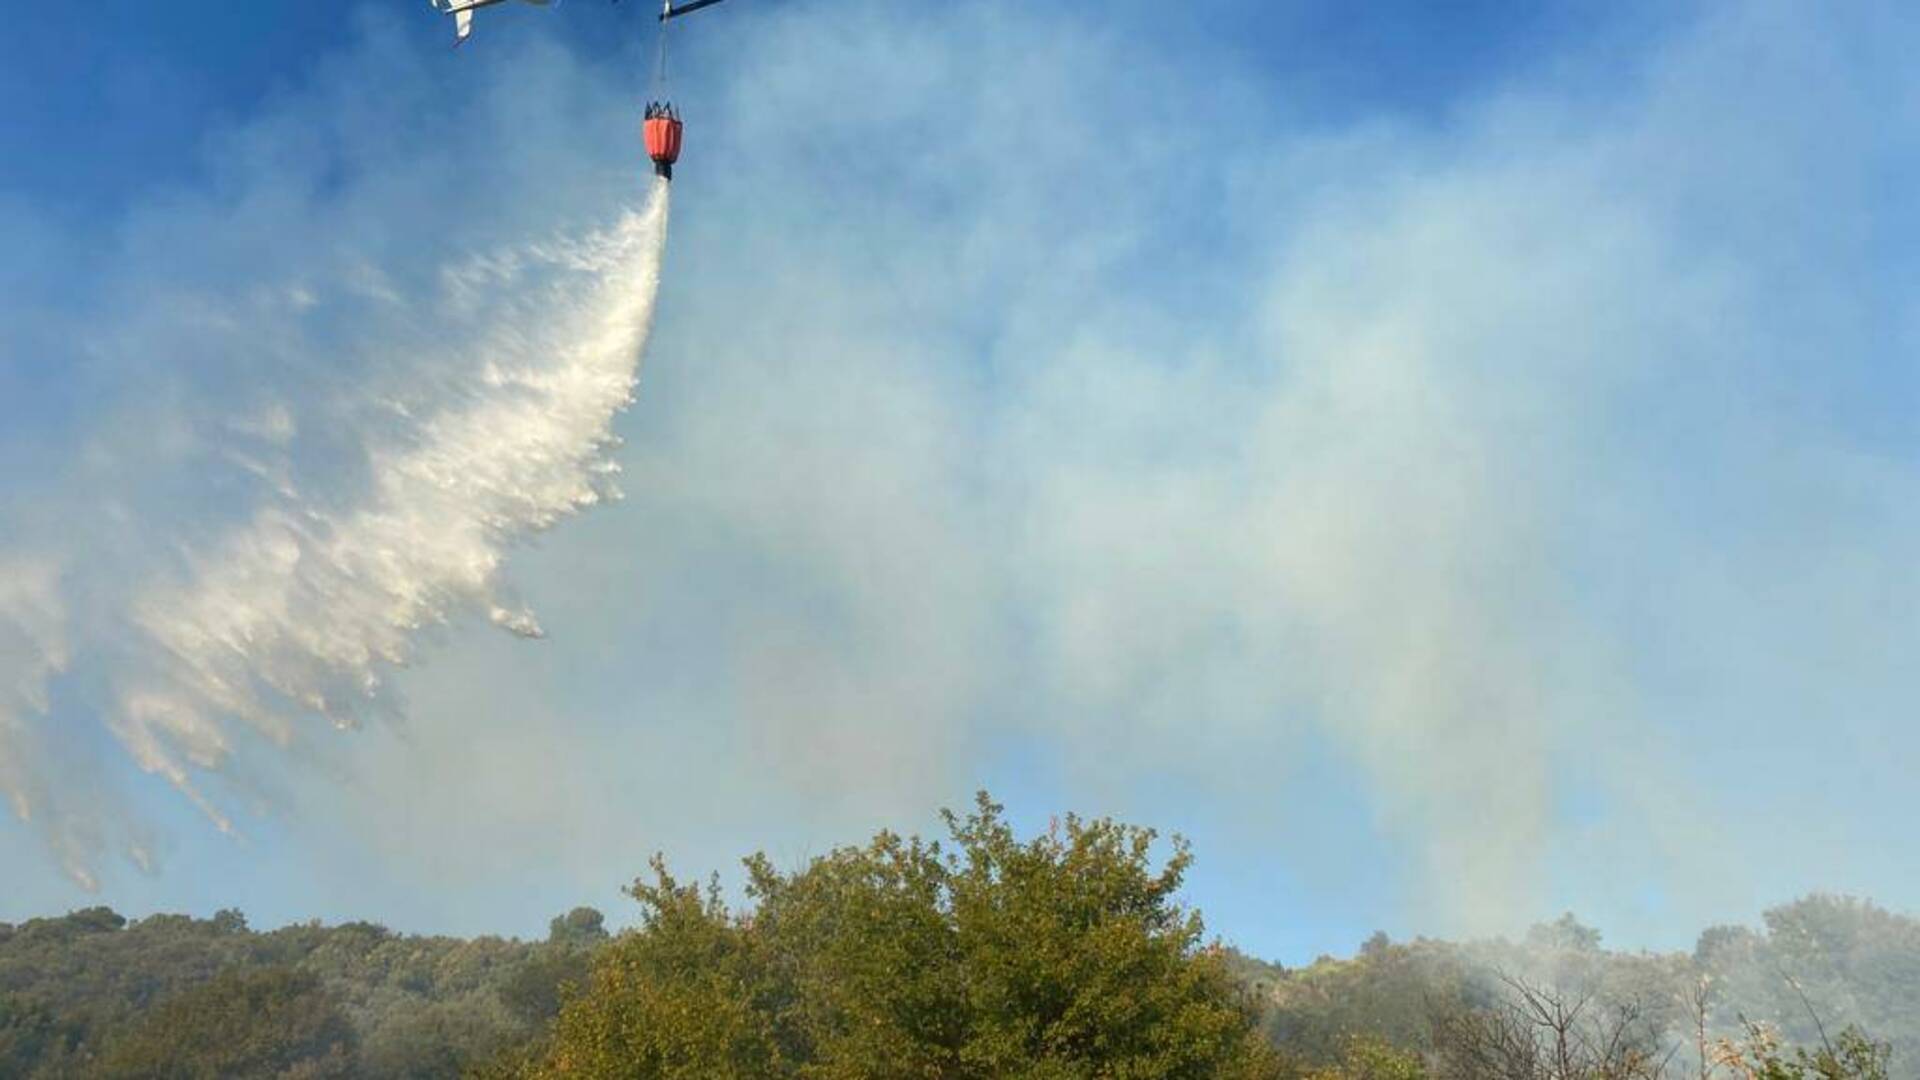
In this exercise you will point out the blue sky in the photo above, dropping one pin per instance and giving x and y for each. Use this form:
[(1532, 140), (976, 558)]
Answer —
[(1454, 466)]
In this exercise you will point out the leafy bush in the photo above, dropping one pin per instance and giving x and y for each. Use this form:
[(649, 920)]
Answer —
[(1063, 957)]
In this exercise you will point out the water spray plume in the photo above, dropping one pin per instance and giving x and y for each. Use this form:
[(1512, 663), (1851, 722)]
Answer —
[(305, 607)]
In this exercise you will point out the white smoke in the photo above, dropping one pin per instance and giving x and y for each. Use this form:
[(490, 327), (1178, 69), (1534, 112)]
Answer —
[(1063, 420), (304, 606)]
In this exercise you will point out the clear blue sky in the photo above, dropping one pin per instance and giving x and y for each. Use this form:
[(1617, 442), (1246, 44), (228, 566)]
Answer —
[(1452, 463)]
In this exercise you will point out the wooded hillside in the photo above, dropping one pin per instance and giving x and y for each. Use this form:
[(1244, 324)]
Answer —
[(983, 954)]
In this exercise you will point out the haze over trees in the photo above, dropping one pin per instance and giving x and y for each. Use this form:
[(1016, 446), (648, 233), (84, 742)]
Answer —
[(983, 954)]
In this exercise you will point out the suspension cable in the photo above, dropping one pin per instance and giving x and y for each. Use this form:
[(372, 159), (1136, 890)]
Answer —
[(660, 65)]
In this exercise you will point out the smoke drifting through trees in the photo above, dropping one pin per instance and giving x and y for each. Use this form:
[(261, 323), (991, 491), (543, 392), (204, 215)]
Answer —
[(1817, 967)]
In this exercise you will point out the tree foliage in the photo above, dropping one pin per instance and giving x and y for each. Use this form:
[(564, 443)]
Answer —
[(266, 1023), (1064, 955), (79, 989), (1818, 965), (1846, 961), (1056, 958), (1762, 1056)]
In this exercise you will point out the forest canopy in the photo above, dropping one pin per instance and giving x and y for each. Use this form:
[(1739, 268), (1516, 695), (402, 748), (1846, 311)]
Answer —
[(981, 954)]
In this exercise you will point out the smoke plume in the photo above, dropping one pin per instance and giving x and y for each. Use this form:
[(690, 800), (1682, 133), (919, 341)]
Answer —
[(1447, 511)]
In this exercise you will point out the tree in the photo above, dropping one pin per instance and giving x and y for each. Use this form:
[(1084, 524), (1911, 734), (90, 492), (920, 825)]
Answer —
[(1365, 1057), (273, 1022), (31, 1033), (1062, 957), (1849, 1056), (1565, 933), (1390, 994), (1847, 961), (583, 926), (1542, 1034)]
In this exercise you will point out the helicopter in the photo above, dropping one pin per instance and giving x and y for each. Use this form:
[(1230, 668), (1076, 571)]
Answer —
[(661, 125), (462, 11)]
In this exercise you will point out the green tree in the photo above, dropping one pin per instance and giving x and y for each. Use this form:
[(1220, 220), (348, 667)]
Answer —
[(1062, 957), (273, 1022), (1565, 933), (682, 998), (583, 926), (1390, 994), (1366, 1057), (31, 1033), (1762, 1056)]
